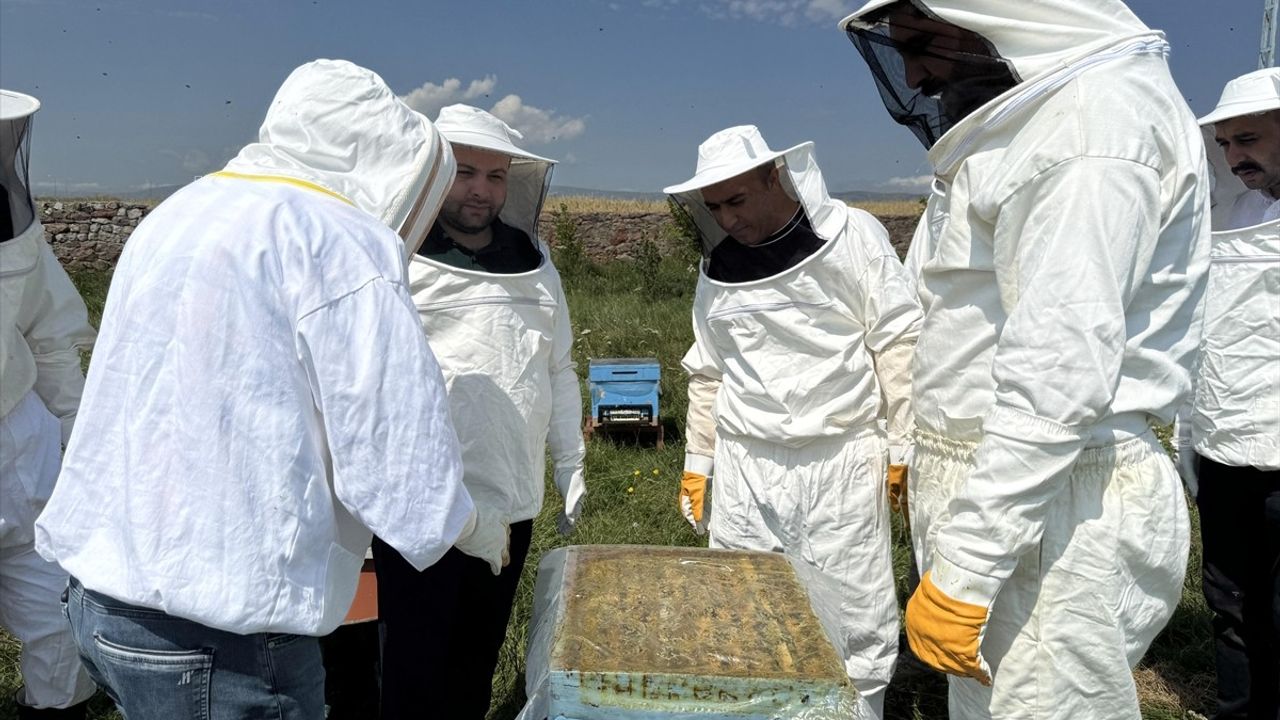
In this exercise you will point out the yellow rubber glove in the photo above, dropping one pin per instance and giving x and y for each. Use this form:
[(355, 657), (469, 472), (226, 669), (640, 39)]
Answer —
[(945, 633), (898, 489), (693, 490)]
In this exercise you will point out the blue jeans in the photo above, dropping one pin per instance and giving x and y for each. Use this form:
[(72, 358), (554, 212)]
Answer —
[(159, 667)]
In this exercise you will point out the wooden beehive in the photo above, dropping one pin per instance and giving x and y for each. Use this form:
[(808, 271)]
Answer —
[(653, 632)]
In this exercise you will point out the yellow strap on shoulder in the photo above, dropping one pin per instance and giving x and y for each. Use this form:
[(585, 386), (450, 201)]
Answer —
[(285, 180)]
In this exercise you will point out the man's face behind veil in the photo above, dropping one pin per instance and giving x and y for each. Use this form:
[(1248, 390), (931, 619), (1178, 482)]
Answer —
[(946, 61), (479, 189)]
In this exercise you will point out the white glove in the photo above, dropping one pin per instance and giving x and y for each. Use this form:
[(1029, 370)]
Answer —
[(489, 539), (573, 486), (1188, 464)]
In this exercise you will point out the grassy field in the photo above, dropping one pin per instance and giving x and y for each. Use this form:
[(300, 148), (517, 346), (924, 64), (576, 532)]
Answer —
[(641, 309)]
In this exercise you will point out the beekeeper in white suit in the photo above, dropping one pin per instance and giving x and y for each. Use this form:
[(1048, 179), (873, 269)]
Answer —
[(43, 325), (1061, 260), (804, 326), (261, 397), (1229, 444), (495, 316)]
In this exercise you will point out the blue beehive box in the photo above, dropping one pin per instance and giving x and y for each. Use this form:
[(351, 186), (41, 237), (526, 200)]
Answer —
[(624, 391)]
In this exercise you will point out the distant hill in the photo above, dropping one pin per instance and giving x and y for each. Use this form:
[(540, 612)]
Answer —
[(568, 191)]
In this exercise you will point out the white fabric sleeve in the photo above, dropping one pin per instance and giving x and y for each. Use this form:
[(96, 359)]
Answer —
[(893, 370), (56, 327), (919, 252), (700, 422), (1071, 246), (395, 460), (884, 294), (564, 437)]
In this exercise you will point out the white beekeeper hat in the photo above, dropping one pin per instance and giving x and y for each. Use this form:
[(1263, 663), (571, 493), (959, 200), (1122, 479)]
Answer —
[(16, 105), (1249, 94), (727, 154), (471, 126)]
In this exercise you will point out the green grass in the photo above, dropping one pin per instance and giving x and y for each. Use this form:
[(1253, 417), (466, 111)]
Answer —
[(641, 308)]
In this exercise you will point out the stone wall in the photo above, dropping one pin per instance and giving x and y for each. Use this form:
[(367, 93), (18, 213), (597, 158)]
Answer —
[(90, 234)]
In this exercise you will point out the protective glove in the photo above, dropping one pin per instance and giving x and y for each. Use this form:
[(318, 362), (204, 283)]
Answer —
[(574, 488), (489, 539), (693, 492), (945, 633)]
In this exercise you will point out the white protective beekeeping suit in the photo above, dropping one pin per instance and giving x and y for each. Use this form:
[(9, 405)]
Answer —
[(504, 343), (261, 396), (1235, 416), (1060, 263), (788, 377), (43, 326)]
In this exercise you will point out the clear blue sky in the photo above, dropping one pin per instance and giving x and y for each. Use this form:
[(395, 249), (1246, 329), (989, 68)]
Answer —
[(139, 92)]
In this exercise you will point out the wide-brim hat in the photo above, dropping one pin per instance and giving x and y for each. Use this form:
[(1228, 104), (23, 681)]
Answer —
[(730, 153), (16, 105), (471, 126), (855, 20), (1249, 94)]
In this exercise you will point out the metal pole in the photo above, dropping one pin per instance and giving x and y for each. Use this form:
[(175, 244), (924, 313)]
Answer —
[(1267, 49)]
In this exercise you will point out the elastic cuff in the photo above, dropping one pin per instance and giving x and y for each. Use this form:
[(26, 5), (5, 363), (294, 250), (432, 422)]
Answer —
[(964, 585), (700, 464)]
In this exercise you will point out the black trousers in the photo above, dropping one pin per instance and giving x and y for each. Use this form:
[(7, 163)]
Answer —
[(1240, 527), (443, 628)]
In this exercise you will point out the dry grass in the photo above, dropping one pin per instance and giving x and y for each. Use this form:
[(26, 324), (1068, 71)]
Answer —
[(890, 208)]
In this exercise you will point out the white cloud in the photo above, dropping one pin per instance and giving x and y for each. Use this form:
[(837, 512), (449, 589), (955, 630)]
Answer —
[(538, 126), (783, 12), (429, 98), (918, 182)]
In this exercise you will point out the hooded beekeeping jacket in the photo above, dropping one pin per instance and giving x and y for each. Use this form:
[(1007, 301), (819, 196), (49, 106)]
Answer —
[(504, 343), (43, 321), (43, 325), (1236, 416), (261, 395), (818, 350), (1061, 260)]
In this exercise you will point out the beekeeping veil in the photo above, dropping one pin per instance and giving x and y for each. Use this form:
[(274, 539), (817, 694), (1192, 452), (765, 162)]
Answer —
[(737, 150), (17, 206), (529, 176), (1250, 94), (937, 61)]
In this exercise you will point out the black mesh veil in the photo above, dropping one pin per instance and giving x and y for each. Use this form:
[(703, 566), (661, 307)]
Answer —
[(17, 207), (930, 73)]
